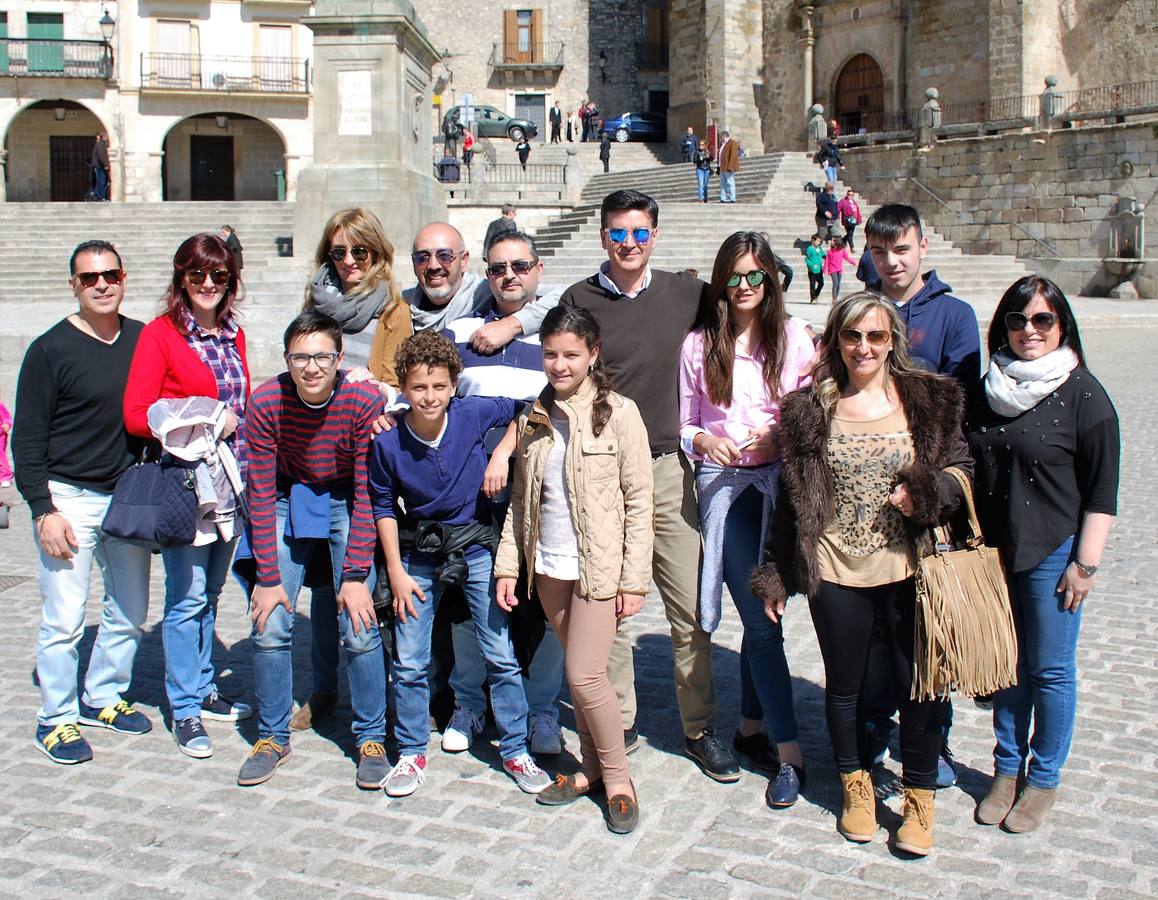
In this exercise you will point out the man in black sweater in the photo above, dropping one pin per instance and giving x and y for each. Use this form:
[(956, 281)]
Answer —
[(70, 446), (644, 315)]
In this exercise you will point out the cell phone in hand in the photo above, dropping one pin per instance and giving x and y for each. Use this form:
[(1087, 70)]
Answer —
[(747, 442)]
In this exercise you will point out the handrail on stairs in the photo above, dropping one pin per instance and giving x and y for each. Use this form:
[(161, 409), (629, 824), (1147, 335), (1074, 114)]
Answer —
[(960, 215)]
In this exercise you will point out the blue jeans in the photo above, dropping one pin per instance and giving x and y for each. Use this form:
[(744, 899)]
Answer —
[(194, 577), (273, 648), (702, 176), (765, 684), (1046, 692), (728, 187), (412, 659), (541, 686), (830, 174), (324, 638), (64, 588)]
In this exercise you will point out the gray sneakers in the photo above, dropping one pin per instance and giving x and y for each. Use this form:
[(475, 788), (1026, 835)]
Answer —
[(528, 776), (373, 767), (406, 776)]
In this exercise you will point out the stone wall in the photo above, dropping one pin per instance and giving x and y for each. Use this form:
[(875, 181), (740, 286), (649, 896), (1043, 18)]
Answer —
[(1108, 41), (27, 171), (783, 103), (257, 154), (947, 48), (1002, 191)]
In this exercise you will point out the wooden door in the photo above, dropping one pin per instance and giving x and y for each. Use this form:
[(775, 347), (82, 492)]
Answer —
[(68, 166), (210, 167), (522, 35), (860, 95)]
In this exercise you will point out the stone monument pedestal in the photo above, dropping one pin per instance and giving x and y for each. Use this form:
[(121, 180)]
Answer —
[(371, 112)]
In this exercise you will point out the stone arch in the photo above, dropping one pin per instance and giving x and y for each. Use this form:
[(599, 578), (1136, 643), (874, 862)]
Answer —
[(47, 147), (222, 155), (858, 94)]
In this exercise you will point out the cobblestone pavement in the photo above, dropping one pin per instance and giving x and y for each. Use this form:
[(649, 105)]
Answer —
[(143, 820)]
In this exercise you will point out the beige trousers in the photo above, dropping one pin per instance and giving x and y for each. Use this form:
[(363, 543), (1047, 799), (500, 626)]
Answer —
[(676, 569), (585, 629)]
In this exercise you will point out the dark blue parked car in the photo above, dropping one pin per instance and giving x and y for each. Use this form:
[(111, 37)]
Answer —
[(637, 127)]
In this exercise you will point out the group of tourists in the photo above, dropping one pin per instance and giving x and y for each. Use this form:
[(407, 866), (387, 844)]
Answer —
[(480, 478)]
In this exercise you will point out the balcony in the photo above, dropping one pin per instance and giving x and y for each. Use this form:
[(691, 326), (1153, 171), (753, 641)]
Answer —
[(55, 59), (526, 61), (651, 57), (224, 74)]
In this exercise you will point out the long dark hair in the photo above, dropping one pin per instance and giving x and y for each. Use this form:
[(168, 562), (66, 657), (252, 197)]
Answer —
[(1018, 296), (714, 317), (206, 252), (566, 319)]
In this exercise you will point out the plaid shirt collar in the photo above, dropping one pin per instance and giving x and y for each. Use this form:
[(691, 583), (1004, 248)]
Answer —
[(228, 329)]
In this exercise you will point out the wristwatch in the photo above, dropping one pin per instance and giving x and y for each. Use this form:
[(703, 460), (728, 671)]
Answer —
[(1084, 569)]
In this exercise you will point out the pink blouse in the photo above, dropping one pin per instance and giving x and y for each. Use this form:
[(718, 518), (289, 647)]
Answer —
[(751, 405)]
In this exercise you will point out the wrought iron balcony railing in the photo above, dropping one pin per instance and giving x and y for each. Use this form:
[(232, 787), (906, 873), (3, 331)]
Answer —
[(514, 55), (55, 59), (225, 74)]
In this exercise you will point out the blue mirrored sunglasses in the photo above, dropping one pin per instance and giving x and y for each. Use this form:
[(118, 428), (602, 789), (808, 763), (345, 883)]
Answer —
[(639, 235)]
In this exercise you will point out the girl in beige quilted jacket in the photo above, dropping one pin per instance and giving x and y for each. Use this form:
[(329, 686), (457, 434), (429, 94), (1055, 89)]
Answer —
[(580, 520)]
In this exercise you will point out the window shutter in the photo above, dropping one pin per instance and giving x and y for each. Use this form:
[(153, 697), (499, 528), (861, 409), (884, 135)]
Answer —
[(537, 35), (510, 35)]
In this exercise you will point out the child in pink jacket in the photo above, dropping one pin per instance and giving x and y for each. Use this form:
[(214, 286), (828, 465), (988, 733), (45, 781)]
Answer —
[(5, 434), (834, 262)]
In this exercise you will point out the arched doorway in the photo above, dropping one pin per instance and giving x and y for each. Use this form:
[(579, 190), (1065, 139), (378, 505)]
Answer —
[(860, 95), (221, 156), (49, 146)]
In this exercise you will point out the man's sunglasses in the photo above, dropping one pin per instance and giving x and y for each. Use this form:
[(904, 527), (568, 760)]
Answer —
[(755, 278), (1042, 321), (217, 276), (518, 266), (444, 256), (619, 235), (89, 279), (338, 253), (853, 337)]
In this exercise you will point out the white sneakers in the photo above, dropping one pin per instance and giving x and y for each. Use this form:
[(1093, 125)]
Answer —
[(460, 733)]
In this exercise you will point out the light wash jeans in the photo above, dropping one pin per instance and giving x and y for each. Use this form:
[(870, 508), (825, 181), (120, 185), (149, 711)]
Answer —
[(64, 587), (412, 659), (830, 173), (1046, 693), (194, 577), (541, 685), (273, 648), (727, 187), (702, 176)]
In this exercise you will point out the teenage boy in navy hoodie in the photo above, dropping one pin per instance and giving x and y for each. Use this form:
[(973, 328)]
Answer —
[(944, 338)]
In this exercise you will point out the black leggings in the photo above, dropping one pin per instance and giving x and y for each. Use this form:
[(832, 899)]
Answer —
[(843, 618)]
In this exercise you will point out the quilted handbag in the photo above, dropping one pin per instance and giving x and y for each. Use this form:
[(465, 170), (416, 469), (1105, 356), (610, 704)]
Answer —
[(155, 501), (964, 638)]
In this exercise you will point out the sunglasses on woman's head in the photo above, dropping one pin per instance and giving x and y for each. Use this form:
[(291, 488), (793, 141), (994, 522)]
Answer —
[(89, 279), (755, 278), (338, 253), (875, 338), (639, 235), (518, 266), (217, 276), (1042, 321)]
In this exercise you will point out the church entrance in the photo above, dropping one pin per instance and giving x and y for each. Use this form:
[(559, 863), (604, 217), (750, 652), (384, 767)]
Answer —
[(860, 95)]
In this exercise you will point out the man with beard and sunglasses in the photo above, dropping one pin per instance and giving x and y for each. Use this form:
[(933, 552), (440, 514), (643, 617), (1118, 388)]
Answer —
[(514, 273), (644, 314), (70, 448)]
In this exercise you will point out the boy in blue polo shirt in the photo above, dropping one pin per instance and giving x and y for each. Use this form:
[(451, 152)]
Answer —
[(426, 478)]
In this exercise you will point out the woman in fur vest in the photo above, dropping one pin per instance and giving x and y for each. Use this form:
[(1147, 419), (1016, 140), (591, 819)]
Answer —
[(864, 449)]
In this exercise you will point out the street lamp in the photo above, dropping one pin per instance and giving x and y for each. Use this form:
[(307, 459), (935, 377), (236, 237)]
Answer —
[(108, 28)]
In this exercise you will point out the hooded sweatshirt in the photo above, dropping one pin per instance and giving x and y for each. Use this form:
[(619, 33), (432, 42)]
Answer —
[(943, 332)]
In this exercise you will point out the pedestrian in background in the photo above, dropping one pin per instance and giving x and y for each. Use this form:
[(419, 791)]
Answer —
[(728, 164), (523, 149), (850, 216), (834, 261), (99, 163), (605, 151), (814, 255), (233, 242), (703, 162)]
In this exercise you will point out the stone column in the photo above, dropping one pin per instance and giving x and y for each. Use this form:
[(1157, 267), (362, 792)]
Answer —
[(808, 39), (4, 179), (372, 123)]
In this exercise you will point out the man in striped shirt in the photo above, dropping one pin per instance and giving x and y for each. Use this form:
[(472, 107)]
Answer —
[(309, 431)]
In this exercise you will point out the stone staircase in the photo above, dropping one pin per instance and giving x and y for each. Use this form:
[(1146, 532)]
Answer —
[(36, 240), (775, 194)]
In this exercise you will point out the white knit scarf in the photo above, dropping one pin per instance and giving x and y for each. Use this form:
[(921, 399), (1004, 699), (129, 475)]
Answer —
[(1014, 385)]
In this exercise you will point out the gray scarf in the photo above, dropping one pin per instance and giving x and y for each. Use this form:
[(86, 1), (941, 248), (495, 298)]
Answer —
[(1014, 386), (353, 313)]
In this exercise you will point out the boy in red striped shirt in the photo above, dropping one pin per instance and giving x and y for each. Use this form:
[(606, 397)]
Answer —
[(309, 431)]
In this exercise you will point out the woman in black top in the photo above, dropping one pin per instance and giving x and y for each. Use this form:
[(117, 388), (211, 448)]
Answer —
[(1044, 435)]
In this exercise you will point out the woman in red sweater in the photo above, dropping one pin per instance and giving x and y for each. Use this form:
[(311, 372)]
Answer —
[(195, 348)]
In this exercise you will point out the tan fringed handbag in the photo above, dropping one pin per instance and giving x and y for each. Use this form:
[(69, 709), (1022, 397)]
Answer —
[(964, 638)]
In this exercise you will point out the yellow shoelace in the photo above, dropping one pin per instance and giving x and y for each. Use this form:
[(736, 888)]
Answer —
[(266, 744), (373, 748)]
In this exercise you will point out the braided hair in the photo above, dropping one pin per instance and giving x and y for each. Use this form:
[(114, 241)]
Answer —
[(566, 319)]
